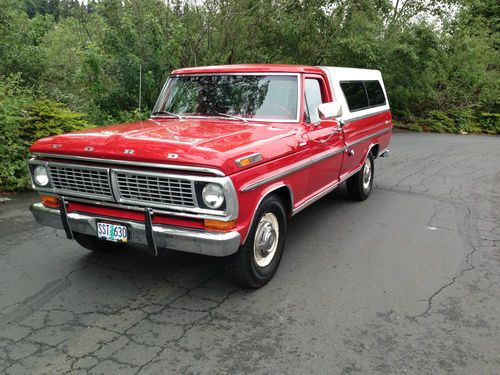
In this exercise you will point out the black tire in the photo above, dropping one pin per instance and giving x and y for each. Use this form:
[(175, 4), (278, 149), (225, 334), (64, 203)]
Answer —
[(96, 245), (242, 267), (355, 184)]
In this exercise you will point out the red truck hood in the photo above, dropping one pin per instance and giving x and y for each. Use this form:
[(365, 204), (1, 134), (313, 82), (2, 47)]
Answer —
[(198, 142)]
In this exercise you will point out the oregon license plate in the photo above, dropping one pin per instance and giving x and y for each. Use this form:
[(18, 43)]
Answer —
[(112, 232)]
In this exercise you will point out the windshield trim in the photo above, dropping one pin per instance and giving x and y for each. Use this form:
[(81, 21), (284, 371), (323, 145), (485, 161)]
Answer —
[(299, 91)]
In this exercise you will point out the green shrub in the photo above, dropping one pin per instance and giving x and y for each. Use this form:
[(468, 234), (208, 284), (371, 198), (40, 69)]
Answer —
[(490, 122), (455, 121), (439, 122), (415, 128), (45, 118), (125, 116), (23, 120)]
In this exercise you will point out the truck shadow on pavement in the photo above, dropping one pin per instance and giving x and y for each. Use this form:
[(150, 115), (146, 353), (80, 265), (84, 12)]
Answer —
[(187, 268)]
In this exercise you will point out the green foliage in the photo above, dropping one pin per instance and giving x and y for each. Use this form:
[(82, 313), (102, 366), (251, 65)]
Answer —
[(440, 63), (490, 122), (13, 98), (455, 121), (93, 56), (44, 118), (23, 120), (121, 117)]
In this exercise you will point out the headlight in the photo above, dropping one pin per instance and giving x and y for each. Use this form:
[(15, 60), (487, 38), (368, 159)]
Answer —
[(40, 175), (213, 195)]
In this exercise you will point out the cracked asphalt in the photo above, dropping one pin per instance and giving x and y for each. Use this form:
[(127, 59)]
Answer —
[(407, 282)]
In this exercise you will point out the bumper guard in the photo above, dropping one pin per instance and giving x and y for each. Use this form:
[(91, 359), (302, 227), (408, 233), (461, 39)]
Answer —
[(196, 241)]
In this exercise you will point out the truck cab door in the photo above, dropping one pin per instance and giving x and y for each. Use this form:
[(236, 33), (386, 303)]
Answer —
[(325, 137)]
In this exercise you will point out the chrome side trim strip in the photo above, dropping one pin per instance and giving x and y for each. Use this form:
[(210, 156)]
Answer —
[(365, 116), (329, 155), (276, 176), (315, 198), (324, 192), (310, 162), (353, 172), (292, 170), (213, 171), (368, 137)]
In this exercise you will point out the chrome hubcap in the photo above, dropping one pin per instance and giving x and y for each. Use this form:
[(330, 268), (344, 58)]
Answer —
[(266, 240), (367, 174)]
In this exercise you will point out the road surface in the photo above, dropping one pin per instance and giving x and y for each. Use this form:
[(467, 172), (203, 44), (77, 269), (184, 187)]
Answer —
[(405, 282)]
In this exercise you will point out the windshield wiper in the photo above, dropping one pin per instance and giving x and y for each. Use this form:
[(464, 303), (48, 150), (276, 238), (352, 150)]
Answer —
[(166, 113), (232, 116)]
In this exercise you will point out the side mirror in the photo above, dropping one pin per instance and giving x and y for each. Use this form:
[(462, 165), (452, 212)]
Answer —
[(330, 110)]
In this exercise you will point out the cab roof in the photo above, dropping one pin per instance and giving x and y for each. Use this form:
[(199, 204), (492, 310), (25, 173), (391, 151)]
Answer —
[(251, 68)]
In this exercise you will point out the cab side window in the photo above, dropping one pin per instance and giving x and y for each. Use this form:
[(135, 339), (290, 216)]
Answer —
[(313, 98)]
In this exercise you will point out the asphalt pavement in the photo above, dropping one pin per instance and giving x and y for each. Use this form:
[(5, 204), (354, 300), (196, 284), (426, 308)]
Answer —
[(407, 282)]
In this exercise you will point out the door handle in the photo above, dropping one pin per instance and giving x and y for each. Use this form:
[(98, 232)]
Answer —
[(335, 131)]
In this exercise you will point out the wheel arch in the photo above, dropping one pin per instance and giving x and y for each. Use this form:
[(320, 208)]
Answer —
[(374, 149), (283, 191)]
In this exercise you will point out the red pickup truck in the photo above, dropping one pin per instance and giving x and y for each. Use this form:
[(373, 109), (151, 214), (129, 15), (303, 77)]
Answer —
[(228, 154)]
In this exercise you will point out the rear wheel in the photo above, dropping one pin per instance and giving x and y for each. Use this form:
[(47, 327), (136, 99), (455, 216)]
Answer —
[(96, 245), (359, 186), (256, 261)]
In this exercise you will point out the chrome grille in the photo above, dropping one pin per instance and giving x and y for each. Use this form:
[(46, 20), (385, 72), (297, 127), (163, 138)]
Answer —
[(81, 180), (145, 188)]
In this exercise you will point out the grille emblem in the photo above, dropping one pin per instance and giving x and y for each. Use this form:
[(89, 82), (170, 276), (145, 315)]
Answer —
[(172, 156), (89, 148)]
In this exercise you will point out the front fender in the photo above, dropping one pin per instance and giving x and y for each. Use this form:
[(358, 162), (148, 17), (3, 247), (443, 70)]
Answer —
[(251, 200)]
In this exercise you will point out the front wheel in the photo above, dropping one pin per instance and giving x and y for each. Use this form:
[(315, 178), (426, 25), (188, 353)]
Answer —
[(258, 258), (359, 186)]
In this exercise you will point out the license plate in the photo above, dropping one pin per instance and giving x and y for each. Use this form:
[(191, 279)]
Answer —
[(112, 232)]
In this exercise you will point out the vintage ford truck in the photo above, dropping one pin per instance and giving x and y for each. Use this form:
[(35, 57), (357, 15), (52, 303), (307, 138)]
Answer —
[(228, 154)]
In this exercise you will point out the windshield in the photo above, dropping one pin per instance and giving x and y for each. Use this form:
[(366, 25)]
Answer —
[(256, 97)]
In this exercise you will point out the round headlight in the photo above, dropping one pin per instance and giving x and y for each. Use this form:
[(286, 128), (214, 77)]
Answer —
[(213, 195), (40, 175)]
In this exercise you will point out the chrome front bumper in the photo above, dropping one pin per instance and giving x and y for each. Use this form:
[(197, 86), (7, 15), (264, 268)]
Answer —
[(217, 244)]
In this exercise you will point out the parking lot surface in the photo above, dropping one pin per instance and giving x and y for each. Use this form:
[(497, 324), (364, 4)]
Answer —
[(405, 282)]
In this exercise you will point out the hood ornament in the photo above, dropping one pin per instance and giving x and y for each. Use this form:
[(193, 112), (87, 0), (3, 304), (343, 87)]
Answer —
[(89, 148), (129, 151), (172, 156)]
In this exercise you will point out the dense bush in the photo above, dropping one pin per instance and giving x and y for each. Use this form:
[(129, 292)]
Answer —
[(490, 122), (435, 55), (457, 121), (22, 121), (439, 58)]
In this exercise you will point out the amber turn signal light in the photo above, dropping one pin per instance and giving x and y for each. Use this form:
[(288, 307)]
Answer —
[(49, 201), (242, 162), (220, 225)]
